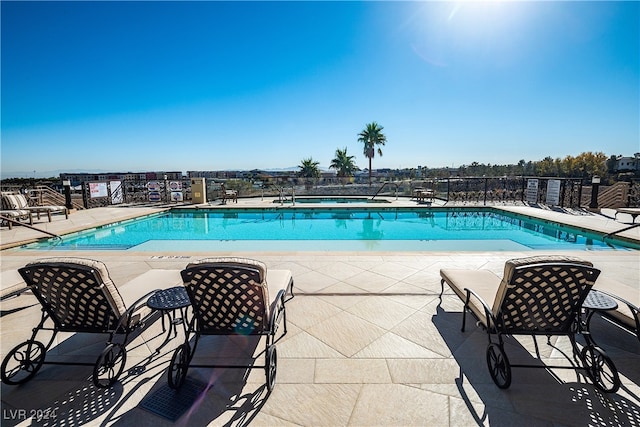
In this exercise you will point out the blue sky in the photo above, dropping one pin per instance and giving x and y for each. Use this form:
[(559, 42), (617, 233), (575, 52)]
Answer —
[(135, 86)]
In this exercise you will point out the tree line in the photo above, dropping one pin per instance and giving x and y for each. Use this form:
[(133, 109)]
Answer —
[(585, 165)]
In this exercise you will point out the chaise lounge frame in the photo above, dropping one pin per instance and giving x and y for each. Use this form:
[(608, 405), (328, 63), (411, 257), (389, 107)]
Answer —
[(627, 315), (76, 295), (233, 296), (18, 202), (10, 216), (536, 296)]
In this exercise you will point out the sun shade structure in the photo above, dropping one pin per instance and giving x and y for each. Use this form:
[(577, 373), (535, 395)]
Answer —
[(541, 295), (233, 296), (77, 295)]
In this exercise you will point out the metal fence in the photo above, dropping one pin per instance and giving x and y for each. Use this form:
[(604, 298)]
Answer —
[(634, 193), (135, 192), (563, 192)]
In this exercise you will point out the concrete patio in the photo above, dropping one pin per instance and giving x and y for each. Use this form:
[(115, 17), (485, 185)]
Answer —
[(370, 343)]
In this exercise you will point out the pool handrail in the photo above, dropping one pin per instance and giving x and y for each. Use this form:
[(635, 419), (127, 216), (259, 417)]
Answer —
[(13, 221), (383, 185)]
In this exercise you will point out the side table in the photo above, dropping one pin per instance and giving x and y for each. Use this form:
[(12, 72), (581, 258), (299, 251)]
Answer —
[(594, 302), (167, 301)]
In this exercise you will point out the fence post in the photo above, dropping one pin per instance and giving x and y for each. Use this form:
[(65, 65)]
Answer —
[(595, 184), (580, 193), (485, 192), (85, 202), (448, 187)]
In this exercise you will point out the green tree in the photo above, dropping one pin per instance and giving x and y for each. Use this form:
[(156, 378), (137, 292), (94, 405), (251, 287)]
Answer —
[(371, 137), (570, 167), (343, 164), (589, 164), (547, 167), (309, 169)]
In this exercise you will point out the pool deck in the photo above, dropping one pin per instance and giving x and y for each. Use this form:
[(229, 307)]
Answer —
[(369, 343)]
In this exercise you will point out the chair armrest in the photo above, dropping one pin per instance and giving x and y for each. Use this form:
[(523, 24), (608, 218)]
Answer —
[(487, 310), (635, 310), (276, 313), (125, 319)]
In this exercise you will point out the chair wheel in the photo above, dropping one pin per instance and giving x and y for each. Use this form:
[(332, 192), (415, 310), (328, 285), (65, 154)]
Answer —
[(109, 365), (499, 367), (22, 362), (178, 367), (271, 367), (600, 369)]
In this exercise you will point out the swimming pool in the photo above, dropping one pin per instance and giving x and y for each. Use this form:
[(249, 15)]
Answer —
[(331, 229)]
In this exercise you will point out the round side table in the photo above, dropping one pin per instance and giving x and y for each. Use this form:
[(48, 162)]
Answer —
[(168, 301), (594, 302)]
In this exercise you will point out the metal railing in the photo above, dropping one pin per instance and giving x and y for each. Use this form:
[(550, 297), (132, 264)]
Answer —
[(507, 190), (384, 185), (10, 221), (452, 190), (135, 192), (43, 195)]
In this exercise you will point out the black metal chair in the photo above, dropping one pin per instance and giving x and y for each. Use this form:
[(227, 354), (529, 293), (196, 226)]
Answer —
[(536, 296), (76, 295), (233, 296)]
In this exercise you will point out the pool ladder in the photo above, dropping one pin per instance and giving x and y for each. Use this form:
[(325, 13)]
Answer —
[(283, 197)]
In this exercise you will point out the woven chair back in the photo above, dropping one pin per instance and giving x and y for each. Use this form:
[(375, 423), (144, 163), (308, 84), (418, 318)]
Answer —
[(227, 299), (11, 202), (544, 298), (73, 295)]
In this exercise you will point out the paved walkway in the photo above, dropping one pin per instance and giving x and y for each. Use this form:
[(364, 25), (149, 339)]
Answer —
[(369, 343)]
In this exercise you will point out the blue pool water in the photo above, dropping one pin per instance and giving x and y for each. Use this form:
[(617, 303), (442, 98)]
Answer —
[(329, 230)]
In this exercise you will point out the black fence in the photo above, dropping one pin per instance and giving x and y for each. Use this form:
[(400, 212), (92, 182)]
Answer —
[(135, 192), (563, 192)]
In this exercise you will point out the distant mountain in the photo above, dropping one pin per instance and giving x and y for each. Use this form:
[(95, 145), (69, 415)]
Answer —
[(294, 169)]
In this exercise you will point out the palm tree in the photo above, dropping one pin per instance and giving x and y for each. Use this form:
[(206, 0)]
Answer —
[(371, 136), (309, 169), (343, 164)]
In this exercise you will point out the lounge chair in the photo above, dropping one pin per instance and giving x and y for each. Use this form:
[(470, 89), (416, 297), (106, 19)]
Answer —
[(77, 295), (539, 295), (233, 296), (627, 314), (634, 212), (7, 216), (19, 202)]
